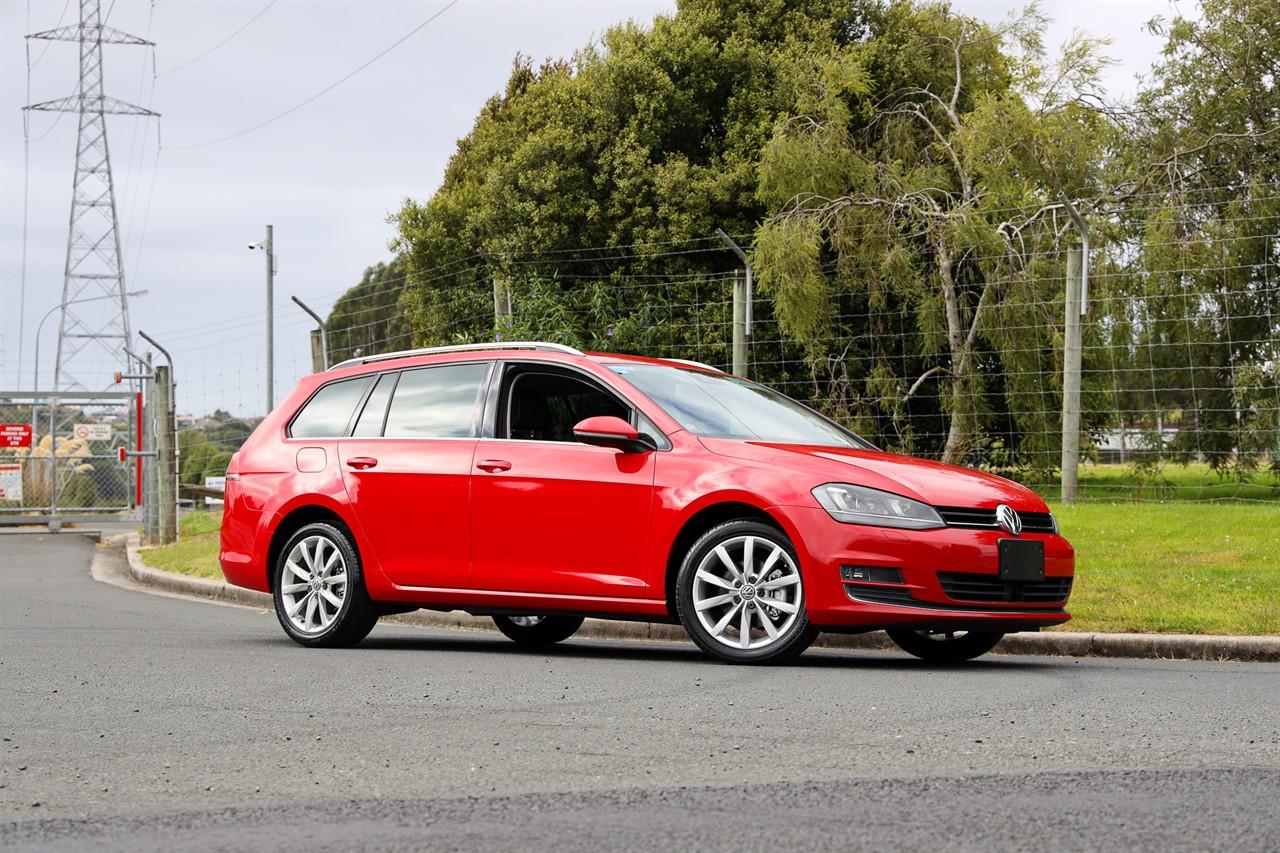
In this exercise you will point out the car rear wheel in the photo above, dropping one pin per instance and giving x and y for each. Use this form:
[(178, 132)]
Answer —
[(945, 646), (538, 630), (740, 594), (319, 589)]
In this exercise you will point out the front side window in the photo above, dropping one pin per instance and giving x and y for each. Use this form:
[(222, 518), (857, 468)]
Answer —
[(716, 405), (436, 402), (328, 412), (547, 406)]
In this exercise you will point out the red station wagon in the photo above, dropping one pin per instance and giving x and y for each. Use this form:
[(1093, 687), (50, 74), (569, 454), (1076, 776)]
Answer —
[(539, 485)]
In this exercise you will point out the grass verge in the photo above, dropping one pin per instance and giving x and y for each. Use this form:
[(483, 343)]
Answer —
[(195, 552), (1175, 568), (1144, 567)]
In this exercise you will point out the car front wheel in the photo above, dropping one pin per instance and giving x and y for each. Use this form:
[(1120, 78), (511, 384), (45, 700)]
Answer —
[(319, 590), (740, 594), (945, 646)]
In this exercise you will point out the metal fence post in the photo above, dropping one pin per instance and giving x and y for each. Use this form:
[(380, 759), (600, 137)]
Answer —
[(150, 508), (319, 339), (1071, 356), (55, 524), (501, 305)]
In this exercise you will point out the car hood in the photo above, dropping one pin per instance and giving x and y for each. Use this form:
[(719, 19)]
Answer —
[(932, 482)]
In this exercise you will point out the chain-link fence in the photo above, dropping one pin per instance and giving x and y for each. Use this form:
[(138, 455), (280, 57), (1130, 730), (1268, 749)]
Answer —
[(1180, 375), (59, 454)]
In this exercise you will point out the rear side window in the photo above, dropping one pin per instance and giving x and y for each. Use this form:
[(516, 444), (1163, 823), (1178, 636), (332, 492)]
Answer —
[(328, 413), (375, 409), (437, 402)]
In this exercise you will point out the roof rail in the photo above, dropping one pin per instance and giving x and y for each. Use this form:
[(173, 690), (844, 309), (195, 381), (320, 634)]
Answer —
[(694, 364), (386, 356)]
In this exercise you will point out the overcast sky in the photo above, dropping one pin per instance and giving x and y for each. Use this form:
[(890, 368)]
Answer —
[(325, 176)]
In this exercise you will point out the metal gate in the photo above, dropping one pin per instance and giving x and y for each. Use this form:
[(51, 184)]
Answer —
[(62, 456)]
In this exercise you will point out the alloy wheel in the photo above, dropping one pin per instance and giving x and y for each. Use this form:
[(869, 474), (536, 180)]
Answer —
[(313, 585), (747, 592)]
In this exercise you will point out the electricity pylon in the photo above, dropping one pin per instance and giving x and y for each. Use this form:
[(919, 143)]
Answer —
[(95, 307)]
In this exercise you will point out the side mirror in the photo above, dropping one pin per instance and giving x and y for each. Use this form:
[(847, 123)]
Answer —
[(608, 431)]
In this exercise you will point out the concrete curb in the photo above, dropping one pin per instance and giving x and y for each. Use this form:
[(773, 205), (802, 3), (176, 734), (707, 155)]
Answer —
[(188, 584), (1060, 643)]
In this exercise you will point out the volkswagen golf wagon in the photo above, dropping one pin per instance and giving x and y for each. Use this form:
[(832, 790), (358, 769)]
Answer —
[(539, 485)]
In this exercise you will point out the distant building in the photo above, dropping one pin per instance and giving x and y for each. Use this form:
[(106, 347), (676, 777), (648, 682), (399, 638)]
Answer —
[(1126, 445)]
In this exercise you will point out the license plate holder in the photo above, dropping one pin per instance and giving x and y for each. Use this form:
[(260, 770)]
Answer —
[(1021, 559)]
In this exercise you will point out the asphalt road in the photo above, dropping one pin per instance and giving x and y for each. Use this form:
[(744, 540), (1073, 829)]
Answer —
[(137, 722)]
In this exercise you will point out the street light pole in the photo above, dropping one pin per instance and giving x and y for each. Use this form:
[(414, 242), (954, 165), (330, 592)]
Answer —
[(268, 246), (271, 322)]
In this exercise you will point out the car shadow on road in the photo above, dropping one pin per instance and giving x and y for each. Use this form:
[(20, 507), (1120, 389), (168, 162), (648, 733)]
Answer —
[(595, 649)]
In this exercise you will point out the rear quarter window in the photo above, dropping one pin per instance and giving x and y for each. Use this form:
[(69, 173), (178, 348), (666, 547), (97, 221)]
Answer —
[(328, 413)]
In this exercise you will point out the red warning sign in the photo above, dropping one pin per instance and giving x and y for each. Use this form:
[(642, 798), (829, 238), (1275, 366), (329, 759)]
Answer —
[(15, 435)]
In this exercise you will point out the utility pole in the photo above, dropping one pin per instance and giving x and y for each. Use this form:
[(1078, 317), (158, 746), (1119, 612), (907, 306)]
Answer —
[(1071, 358), (94, 267), (319, 358), (743, 297), (1072, 353), (268, 246)]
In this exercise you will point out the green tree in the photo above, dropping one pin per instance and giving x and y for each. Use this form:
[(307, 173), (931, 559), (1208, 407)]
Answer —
[(652, 137), (915, 178), (368, 318), (1203, 160)]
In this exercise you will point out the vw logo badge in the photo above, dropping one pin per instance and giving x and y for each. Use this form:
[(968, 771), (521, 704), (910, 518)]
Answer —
[(1008, 519)]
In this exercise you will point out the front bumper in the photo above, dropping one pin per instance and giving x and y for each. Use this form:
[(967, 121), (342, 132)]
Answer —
[(919, 556)]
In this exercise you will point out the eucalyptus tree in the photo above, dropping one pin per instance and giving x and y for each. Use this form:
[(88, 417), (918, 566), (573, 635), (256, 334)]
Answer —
[(921, 177)]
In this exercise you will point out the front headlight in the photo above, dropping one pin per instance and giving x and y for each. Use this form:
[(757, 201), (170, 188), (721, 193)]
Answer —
[(860, 505)]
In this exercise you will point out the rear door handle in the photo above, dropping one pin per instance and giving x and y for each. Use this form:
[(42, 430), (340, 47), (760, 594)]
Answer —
[(492, 465), (360, 463)]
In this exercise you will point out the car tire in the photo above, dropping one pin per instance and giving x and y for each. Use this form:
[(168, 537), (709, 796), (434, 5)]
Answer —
[(317, 567), (744, 567), (929, 646), (538, 631)]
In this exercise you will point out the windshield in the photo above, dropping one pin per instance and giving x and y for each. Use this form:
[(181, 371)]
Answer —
[(715, 405)]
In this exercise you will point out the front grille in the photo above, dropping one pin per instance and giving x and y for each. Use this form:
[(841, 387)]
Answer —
[(967, 586), (985, 519)]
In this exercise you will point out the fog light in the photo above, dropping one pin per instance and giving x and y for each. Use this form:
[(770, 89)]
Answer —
[(870, 574)]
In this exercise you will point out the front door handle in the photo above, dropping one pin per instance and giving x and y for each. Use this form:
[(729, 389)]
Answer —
[(493, 465), (360, 463)]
